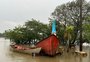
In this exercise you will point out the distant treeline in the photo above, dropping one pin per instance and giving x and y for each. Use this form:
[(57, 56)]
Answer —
[(1, 35)]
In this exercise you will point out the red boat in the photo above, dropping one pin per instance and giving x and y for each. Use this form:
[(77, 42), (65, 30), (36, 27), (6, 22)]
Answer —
[(49, 45)]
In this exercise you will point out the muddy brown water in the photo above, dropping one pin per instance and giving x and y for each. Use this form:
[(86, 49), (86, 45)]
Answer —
[(8, 56)]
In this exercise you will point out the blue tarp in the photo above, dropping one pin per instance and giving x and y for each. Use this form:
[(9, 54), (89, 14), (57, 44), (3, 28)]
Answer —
[(54, 26)]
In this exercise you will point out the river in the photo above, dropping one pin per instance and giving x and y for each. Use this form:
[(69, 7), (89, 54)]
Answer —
[(8, 56)]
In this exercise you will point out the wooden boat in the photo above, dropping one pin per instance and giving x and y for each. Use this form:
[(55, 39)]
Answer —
[(25, 50), (49, 45)]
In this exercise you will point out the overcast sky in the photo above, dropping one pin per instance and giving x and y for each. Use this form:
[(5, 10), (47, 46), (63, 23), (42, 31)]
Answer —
[(16, 12)]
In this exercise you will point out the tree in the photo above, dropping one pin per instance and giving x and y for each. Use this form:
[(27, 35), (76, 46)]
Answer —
[(38, 29), (68, 35), (1, 35), (86, 33), (31, 32), (15, 35), (68, 14)]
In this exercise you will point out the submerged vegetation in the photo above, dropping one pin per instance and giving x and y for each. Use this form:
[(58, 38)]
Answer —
[(68, 26)]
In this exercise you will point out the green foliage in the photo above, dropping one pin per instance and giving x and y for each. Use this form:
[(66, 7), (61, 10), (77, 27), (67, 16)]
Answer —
[(68, 15), (38, 29), (31, 32), (86, 32), (1, 35), (68, 24)]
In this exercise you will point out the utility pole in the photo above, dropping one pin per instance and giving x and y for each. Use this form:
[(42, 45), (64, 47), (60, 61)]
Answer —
[(80, 4)]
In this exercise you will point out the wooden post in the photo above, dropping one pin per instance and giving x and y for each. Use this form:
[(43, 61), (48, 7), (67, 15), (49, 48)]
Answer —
[(80, 3)]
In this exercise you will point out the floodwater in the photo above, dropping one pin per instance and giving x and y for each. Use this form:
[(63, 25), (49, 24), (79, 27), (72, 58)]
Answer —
[(8, 56)]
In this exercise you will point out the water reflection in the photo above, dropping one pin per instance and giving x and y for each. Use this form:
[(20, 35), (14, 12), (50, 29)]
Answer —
[(8, 56)]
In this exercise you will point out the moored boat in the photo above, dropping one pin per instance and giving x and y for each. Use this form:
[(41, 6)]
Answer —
[(49, 45), (22, 49)]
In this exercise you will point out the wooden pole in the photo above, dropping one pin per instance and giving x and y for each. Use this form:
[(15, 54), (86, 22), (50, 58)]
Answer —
[(80, 3)]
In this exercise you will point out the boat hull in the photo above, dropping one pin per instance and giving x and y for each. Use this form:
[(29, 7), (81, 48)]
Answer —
[(49, 45), (27, 51)]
